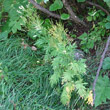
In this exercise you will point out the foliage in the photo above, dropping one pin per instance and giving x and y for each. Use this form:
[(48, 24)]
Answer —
[(58, 51), (65, 16), (106, 63), (107, 25), (95, 14), (94, 36), (107, 2), (14, 21), (56, 5), (66, 68), (51, 72), (102, 90)]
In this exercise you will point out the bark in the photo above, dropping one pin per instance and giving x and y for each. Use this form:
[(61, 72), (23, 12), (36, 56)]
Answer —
[(73, 15), (44, 10)]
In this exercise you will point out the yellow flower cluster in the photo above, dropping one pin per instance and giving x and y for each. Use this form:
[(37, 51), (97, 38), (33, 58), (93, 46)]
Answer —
[(90, 98)]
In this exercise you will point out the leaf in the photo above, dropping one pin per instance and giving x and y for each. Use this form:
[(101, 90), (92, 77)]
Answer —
[(65, 16), (16, 27), (107, 25), (83, 36), (106, 63), (107, 2), (66, 94), (81, 0), (89, 18), (56, 5), (80, 87), (108, 18), (7, 4), (54, 79), (102, 90)]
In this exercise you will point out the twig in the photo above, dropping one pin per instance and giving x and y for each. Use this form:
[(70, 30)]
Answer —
[(44, 10), (98, 6), (73, 15), (99, 68)]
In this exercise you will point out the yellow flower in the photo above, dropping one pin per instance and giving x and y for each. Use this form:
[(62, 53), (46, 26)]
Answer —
[(90, 98)]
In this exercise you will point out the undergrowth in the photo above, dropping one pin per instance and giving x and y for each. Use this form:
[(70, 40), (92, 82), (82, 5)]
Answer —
[(22, 85)]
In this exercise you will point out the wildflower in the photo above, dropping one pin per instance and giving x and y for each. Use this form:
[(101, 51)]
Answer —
[(90, 98)]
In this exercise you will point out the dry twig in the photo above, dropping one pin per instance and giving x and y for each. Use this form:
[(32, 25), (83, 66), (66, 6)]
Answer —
[(73, 15), (44, 10)]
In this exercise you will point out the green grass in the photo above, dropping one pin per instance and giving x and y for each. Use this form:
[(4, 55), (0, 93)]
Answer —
[(25, 85)]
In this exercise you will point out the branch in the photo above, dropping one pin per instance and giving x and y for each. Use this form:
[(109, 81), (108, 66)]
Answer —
[(98, 6), (44, 10), (73, 15), (99, 68)]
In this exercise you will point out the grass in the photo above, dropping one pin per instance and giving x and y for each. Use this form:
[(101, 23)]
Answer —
[(24, 83), (24, 80)]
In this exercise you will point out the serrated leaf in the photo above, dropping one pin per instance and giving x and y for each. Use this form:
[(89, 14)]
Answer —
[(65, 16), (102, 90)]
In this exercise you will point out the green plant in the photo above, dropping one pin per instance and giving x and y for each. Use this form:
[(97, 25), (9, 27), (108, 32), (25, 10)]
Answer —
[(22, 79), (95, 14), (106, 63), (66, 69), (107, 2), (14, 21), (102, 90), (27, 86), (95, 35), (107, 25)]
